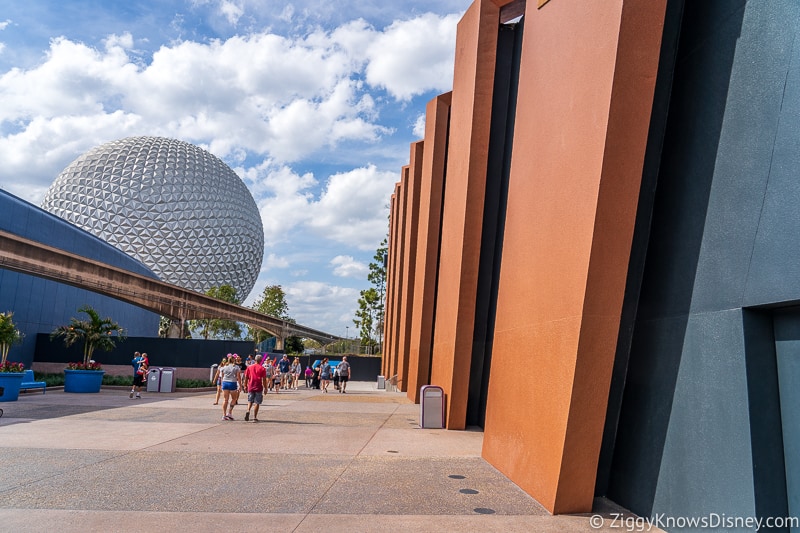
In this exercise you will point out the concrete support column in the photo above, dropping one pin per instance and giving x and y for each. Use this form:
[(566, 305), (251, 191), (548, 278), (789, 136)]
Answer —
[(431, 190), (462, 222), (406, 294), (399, 280), (582, 120)]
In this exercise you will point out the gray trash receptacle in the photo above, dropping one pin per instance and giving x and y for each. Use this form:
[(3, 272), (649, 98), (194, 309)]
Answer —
[(213, 371), (381, 382), (168, 379), (431, 407), (153, 379)]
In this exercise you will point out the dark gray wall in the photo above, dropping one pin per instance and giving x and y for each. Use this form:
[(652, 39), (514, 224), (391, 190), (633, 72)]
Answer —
[(725, 236), (192, 353), (39, 305)]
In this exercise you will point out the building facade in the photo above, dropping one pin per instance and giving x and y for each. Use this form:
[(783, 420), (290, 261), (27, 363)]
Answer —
[(593, 251), (40, 305)]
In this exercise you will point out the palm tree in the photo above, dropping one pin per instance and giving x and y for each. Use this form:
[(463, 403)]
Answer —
[(95, 333), (9, 335)]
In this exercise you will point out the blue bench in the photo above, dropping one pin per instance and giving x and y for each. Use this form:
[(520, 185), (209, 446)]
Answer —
[(28, 382)]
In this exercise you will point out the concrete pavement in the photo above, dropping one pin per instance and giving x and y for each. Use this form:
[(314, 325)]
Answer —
[(316, 462)]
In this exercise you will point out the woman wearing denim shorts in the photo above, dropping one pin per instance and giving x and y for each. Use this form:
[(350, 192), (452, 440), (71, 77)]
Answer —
[(231, 378)]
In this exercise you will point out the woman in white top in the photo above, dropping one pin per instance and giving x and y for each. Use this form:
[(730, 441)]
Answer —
[(231, 376)]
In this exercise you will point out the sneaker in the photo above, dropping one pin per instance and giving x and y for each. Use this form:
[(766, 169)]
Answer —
[(226, 417), (130, 395), (230, 417), (247, 416), (255, 420)]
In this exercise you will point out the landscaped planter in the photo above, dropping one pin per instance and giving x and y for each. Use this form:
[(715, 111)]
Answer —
[(83, 380), (10, 382)]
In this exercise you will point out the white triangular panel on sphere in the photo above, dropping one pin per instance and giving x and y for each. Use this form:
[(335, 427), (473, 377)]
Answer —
[(172, 205)]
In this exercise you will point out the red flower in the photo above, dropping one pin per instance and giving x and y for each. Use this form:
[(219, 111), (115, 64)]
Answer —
[(10, 366), (91, 365)]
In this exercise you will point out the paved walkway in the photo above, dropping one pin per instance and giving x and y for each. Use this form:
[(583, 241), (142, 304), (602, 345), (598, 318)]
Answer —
[(316, 462)]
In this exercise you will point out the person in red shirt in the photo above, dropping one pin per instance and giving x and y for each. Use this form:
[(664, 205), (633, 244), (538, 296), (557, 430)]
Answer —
[(255, 382)]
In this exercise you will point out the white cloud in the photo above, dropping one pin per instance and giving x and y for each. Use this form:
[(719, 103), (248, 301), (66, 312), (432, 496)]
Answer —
[(352, 209), (419, 126), (278, 97), (232, 11), (274, 261), (313, 302), (395, 56), (287, 14), (285, 199), (34, 156), (347, 267)]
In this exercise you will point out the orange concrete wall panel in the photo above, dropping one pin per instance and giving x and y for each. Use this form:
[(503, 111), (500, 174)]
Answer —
[(391, 275), (414, 175), (386, 303), (585, 95), (434, 158), (462, 220), (400, 258)]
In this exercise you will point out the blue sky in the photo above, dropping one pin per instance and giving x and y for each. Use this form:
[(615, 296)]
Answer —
[(313, 104)]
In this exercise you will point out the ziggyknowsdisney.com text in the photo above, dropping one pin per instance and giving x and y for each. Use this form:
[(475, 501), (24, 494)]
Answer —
[(710, 521)]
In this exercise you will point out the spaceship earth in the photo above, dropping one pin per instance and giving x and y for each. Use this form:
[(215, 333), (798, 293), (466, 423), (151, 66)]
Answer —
[(172, 205)]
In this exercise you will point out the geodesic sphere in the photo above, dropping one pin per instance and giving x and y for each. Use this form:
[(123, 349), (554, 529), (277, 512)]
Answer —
[(172, 205)]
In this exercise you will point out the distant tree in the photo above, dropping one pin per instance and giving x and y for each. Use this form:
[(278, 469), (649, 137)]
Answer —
[(218, 328), (165, 324), (293, 344), (311, 344), (9, 335), (366, 315), (272, 302), (94, 333), (369, 316)]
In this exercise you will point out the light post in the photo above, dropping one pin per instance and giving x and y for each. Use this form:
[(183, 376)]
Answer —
[(346, 336)]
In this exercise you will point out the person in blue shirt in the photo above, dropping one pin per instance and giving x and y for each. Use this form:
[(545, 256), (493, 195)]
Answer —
[(140, 365)]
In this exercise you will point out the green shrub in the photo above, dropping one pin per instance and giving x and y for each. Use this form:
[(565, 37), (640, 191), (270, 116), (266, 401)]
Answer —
[(57, 380), (193, 383), (119, 381), (52, 380)]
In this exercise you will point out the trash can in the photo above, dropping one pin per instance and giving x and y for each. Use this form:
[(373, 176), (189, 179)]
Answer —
[(213, 371), (153, 379), (431, 407), (381, 382), (168, 378)]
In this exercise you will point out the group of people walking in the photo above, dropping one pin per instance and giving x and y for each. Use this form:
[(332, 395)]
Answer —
[(256, 376), (339, 375)]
